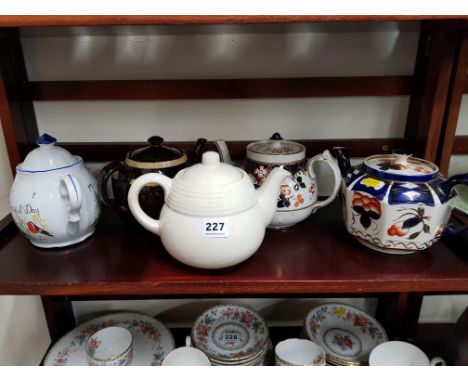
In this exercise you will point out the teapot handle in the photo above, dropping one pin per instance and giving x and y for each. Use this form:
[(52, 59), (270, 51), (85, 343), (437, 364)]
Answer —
[(446, 187), (328, 159), (198, 150), (70, 188), (452, 182), (103, 180), (438, 361), (149, 223), (223, 151)]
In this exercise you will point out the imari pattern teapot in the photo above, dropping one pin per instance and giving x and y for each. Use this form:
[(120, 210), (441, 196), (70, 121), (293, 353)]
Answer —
[(298, 193), (396, 203)]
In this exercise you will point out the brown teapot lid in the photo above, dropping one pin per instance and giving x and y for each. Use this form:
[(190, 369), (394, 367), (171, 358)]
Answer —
[(155, 156)]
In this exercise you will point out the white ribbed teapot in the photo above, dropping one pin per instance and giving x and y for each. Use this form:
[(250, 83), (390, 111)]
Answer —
[(212, 215)]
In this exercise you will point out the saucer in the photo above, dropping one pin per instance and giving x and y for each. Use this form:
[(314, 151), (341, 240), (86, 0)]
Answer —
[(264, 358), (152, 340), (230, 333), (347, 334)]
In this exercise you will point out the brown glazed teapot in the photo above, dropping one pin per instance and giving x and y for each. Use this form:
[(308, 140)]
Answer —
[(154, 158)]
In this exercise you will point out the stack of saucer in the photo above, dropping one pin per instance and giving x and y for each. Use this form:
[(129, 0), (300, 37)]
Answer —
[(347, 334), (232, 335)]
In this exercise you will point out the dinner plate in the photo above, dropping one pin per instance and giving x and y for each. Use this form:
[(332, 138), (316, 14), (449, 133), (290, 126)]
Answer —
[(152, 340), (347, 334), (230, 332)]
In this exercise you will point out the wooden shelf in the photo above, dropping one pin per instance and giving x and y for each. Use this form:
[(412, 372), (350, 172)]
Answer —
[(316, 256), (22, 21)]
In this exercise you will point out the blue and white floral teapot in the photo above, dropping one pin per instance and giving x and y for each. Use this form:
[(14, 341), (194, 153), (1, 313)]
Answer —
[(53, 199), (396, 203)]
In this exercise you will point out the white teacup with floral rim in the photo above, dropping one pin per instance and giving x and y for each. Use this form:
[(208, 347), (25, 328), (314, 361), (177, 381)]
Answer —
[(299, 352), (111, 346)]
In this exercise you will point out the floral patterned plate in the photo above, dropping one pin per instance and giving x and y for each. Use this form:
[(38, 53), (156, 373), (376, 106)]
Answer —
[(230, 333), (152, 340), (346, 333)]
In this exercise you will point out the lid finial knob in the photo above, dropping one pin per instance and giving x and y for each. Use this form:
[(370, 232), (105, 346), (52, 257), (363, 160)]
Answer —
[(155, 140), (46, 139), (276, 137), (210, 158)]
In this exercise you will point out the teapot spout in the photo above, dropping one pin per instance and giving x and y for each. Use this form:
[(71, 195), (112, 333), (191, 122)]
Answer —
[(267, 194), (342, 157)]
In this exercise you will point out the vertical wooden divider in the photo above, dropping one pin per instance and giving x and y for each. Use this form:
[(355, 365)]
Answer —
[(59, 316), (20, 131), (432, 116), (8, 129), (456, 90), (433, 70), (16, 111), (399, 314)]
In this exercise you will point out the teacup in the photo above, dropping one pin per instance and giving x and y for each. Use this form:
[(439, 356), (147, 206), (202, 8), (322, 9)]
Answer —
[(399, 353), (111, 346), (299, 352), (186, 356)]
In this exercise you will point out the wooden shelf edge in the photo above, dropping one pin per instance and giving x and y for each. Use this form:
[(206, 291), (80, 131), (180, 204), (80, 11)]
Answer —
[(87, 20), (105, 151), (225, 288), (239, 88)]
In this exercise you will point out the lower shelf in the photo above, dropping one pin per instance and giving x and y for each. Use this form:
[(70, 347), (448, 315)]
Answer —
[(431, 338)]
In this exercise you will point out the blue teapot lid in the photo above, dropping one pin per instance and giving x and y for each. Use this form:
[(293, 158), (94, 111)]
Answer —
[(400, 166), (47, 157)]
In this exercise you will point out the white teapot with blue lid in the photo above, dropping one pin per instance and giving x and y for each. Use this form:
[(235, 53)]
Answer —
[(53, 199)]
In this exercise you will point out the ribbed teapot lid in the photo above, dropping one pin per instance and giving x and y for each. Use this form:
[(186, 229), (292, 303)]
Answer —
[(276, 150), (211, 188), (211, 172), (47, 157)]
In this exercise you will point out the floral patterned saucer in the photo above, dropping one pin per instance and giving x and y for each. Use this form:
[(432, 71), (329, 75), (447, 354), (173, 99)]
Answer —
[(346, 333), (152, 340), (263, 358), (230, 333)]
